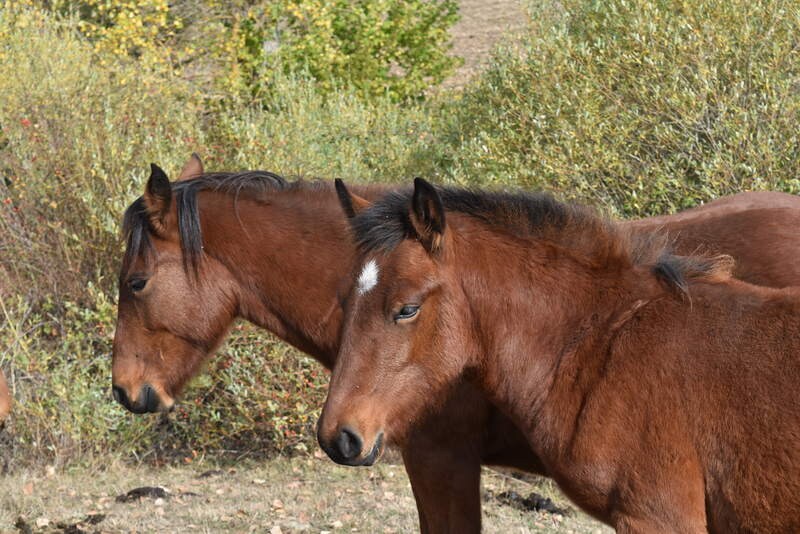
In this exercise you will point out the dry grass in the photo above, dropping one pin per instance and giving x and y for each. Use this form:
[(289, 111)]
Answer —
[(308, 494)]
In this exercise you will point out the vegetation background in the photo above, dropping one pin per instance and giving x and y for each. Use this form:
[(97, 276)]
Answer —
[(637, 106)]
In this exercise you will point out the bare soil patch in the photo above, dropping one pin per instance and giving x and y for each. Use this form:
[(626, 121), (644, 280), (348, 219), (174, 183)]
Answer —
[(305, 494), (483, 23)]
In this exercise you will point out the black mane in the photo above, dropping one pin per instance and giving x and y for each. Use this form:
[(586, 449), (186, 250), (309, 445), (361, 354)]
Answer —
[(136, 225), (386, 223)]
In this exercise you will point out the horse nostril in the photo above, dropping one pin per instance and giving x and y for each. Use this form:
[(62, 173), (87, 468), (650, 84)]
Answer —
[(149, 398), (349, 444), (120, 396)]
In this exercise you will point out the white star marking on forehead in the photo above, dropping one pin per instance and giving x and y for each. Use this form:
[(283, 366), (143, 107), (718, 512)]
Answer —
[(368, 277)]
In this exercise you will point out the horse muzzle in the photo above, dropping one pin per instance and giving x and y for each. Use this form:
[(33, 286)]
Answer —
[(146, 402), (347, 448)]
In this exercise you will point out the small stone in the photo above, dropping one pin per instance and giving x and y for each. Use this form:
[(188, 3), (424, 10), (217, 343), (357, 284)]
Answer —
[(159, 502), (275, 530), (277, 503), (337, 524), (42, 522)]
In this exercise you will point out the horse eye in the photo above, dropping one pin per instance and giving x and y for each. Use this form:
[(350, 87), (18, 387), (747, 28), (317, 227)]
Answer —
[(406, 312), (137, 284)]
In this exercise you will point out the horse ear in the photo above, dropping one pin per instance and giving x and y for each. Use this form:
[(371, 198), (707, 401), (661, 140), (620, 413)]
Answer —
[(351, 204), (192, 168), (427, 215), (157, 195)]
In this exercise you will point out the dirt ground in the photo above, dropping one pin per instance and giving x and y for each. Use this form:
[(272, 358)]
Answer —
[(283, 495), (483, 23)]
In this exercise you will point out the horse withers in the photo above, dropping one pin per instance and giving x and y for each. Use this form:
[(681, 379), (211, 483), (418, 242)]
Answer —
[(658, 391)]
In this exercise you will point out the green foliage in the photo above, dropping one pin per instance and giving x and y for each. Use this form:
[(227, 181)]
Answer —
[(71, 132), (129, 28), (397, 48), (301, 131), (645, 106), (258, 397), (394, 47)]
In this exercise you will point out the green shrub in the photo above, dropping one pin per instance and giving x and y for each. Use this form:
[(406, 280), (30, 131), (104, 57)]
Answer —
[(298, 130), (395, 48), (642, 105), (382, 47), (259, 397), (75, 141), (70, 131)]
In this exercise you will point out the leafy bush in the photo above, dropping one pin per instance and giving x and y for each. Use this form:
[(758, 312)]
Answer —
[(300, 131), (380, 47), (645, 106), (395, 48), (137, 28), (76, 138)]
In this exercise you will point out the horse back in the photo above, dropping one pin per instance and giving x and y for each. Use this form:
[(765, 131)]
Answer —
[(764, 241)]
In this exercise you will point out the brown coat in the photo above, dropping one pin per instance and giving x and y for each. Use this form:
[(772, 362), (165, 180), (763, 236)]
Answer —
[(659, 392)]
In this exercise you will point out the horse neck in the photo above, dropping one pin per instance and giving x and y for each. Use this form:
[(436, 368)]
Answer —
[(544, 314), (289, 253)]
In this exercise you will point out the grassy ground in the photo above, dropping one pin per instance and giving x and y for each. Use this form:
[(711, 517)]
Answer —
[(308, 494)]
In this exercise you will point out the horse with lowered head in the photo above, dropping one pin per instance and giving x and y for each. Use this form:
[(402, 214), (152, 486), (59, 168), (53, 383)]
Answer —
[(211, 247), (658, 391)]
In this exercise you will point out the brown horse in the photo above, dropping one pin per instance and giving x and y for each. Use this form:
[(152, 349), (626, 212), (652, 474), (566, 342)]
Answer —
[(277, 256), (5, 398), (658, 391)]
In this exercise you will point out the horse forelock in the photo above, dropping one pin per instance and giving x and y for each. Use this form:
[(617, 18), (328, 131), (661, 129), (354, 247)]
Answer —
[(136, 233)]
